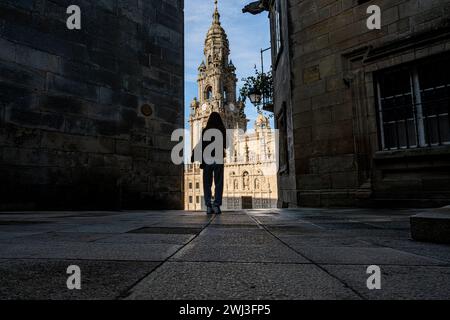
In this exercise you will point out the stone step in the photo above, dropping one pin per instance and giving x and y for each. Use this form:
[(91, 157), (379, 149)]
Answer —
[(432, 226)]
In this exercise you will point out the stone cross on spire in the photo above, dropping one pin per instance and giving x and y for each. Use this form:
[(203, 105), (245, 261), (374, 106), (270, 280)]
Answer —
[(216, 14)]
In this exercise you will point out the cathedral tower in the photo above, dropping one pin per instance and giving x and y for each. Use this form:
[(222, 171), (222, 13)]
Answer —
[(250, 179), (216, 84)]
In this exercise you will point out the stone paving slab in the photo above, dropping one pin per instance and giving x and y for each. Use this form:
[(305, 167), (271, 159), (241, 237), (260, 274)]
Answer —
[(302, 228), (398, 282), (345, 225), (372, 233), (225, 281), (323, 241), (167, 230), (177, 224), (129, 238), (183, 221), (438, 253), (231, 232), (6, 236), (89, 251), (255, 254), (196, 251), (57, 237), (404, 244), (103, 228), (46, 279), (363, 255), (232, 220), (47, 227), (37, 214), (392, 225), (236, 238)]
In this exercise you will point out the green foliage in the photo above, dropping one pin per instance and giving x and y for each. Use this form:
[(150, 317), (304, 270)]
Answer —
[(261, 83)]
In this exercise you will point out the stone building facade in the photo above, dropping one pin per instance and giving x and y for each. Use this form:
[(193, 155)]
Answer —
[(250, 167), (364, 114), (86, 116)]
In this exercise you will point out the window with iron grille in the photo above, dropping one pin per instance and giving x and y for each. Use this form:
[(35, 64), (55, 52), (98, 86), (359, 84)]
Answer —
[(413, 105), (277, 26), (276, 39)]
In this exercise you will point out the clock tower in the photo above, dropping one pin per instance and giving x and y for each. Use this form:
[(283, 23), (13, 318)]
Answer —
[(250, 178), (216, 84)]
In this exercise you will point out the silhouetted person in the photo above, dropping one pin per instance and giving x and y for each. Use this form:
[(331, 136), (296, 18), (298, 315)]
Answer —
[(213, 164)]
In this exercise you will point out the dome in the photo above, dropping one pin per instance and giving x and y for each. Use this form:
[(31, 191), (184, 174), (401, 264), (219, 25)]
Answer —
[(216, 32), (261, 118), (262, 121)]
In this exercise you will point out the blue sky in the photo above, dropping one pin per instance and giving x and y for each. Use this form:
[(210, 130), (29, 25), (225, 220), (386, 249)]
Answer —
[(247, 35)]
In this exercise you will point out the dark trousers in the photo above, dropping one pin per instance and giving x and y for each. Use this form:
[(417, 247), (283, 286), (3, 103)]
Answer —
[(210, 172)]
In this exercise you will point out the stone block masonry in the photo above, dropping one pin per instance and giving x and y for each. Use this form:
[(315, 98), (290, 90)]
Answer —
[(334, 63), (86, 116)]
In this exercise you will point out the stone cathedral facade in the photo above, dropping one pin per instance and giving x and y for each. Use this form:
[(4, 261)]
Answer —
[(250, 164)]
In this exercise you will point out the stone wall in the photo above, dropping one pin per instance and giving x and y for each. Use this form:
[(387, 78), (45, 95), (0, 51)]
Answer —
[(87, 115), (283, 111), (333, 57)]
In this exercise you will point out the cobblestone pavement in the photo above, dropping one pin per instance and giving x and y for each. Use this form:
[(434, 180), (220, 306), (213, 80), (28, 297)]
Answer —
[(255, 254)]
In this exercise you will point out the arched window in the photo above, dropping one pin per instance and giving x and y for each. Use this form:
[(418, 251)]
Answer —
[(225, 95), (209, 59), (208, 93)]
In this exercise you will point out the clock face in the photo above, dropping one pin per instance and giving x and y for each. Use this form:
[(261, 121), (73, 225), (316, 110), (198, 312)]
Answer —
[(204, 107), (232, 107)]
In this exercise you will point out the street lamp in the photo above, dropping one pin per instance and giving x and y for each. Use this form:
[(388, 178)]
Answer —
[(255, 96)]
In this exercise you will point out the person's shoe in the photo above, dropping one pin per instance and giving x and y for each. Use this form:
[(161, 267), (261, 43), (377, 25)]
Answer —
[(217, 210), (209, 210)]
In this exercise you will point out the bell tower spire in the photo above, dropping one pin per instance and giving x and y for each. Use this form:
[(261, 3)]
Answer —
[(217, 81), (216, 15)]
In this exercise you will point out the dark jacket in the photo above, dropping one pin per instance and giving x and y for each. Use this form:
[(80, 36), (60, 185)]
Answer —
[(204, 144)]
